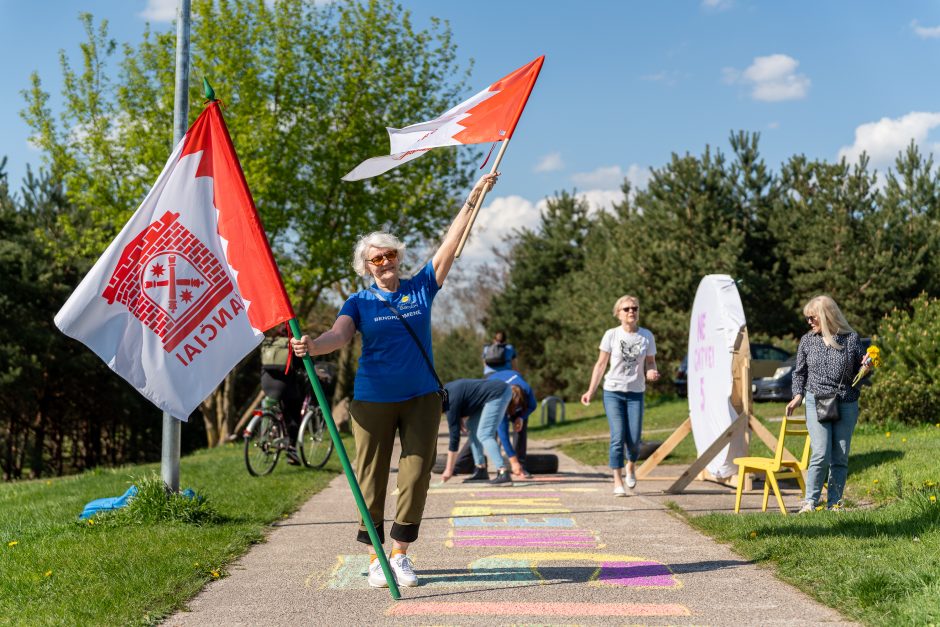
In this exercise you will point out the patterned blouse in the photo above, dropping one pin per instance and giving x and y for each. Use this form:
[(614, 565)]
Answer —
[(825, 371)]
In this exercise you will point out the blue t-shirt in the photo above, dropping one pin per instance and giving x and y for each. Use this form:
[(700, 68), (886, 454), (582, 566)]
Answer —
[(514, 378), (391, 367)]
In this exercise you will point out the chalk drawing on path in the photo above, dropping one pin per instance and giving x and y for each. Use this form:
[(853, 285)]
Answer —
[(606, 569), (523, 538), (438, 608)]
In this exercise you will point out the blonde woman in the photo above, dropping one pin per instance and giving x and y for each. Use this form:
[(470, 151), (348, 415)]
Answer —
[(631, 352), (827, 360), (394, 389)]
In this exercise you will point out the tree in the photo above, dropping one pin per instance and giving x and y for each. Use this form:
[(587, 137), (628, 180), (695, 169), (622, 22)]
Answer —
[(540, 260), (63, 408), (841, 242), (309, 90)]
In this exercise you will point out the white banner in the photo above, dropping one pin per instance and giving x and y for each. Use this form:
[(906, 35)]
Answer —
[(717, 319)]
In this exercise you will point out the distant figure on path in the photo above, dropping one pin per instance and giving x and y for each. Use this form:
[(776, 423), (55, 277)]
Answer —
[(631, 351), (479, 405), (498, 355), (516, 421)]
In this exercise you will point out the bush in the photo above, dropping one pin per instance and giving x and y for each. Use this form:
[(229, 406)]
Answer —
[(907, 386)]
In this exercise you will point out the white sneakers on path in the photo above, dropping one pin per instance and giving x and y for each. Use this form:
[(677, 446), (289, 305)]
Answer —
[(402, 570)]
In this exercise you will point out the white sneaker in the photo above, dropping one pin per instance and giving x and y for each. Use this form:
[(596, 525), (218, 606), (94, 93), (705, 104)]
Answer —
[(630, 479), (806, 507), (619, 491), (376, 576), (404, 574)]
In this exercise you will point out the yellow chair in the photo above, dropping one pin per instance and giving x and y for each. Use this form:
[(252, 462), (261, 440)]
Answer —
[(776, 467)]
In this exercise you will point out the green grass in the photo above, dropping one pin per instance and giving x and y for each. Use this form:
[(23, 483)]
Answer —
[(55, 570), (880, 565), (878, 562)]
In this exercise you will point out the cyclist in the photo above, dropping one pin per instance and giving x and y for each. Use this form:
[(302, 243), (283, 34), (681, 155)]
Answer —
[(282, 381)]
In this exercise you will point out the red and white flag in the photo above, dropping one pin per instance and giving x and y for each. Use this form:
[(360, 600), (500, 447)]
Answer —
[(488, 116), (189, 285)]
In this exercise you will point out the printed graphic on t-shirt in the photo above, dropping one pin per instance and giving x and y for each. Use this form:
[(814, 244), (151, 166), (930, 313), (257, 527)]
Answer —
[(631, 348)]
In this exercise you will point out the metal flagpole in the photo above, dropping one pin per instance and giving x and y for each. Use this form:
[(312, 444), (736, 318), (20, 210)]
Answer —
[(170, 454)]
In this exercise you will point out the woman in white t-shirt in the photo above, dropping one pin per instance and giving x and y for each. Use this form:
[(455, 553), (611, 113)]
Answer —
[(631, 351)]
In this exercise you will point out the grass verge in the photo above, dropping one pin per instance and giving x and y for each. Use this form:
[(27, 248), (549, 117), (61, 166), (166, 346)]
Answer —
[(131, 569), (877, 562)]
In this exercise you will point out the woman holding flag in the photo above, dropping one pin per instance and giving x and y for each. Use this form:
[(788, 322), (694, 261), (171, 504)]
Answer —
[(395, 386)]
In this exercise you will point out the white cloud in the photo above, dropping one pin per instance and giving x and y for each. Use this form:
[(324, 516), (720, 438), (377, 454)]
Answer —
[(496, 220), (667, 78), (717, 5), (608, 176), (160, 10), (601, 199), (773, 125), (884, 139), (771, 78), (925, 32), (551, 162), (611, 177)]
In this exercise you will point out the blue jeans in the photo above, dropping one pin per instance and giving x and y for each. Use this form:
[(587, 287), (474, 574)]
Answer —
[(482, 426), (625, 417), (829, 446)]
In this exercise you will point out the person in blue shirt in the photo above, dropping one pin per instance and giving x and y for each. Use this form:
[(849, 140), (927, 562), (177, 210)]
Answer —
[(517, 418), (498, 355), (477, 406), (395, 388)]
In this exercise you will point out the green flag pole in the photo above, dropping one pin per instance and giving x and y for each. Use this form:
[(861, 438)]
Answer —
[(347, 468)]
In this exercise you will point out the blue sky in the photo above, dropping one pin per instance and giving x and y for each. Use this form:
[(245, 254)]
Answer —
[(624, 84)]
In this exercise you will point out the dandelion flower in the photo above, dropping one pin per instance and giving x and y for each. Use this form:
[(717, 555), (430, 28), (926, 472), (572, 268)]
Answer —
[(888, 434), (215, 573), (195, 563), (875, 481), (13, 543), (933, 499), (903, 440), (91, 521), (48, 483), (48, 573), (753, 534), (820, 508)]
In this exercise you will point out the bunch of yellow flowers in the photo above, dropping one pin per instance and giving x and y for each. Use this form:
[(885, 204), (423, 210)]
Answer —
[(872, 360)]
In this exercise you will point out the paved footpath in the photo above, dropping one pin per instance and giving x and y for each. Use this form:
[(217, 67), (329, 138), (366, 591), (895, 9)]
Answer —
[(557, 550)]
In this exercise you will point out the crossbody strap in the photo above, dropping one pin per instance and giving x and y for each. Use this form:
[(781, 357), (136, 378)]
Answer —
[(411, 332)]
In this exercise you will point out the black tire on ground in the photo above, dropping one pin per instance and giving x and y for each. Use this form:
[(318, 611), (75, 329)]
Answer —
[(536, 463), (647, 448), (542, 463)]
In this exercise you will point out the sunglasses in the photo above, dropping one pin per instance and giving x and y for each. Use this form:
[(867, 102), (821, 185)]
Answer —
[(379, 260), (631, 308), (812, 320)]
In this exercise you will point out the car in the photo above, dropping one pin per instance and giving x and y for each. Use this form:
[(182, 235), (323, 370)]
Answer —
[(766, 359), (778, 387)]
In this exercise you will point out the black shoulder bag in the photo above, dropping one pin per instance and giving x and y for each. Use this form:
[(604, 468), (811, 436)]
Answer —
[(445, 402), (827, 407)]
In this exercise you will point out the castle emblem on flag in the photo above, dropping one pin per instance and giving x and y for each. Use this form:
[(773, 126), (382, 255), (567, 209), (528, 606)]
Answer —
[(169, 280)]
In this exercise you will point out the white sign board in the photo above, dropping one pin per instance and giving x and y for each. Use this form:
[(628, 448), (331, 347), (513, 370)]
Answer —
[(717, 319)]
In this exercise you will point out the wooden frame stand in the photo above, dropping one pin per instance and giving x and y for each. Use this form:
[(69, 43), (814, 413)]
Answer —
[(745, 423)]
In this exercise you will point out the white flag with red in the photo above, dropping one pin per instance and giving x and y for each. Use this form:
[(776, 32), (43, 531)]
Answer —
[(489, 116), (189, 286)]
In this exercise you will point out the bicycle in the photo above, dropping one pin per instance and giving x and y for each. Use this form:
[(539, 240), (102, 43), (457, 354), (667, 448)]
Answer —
[(266, 437)]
